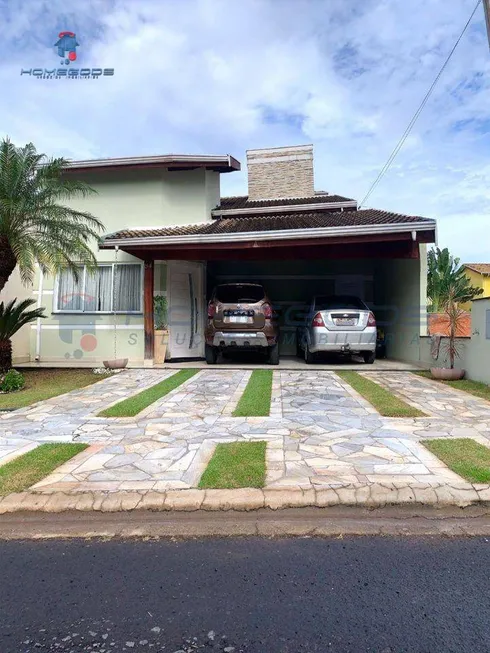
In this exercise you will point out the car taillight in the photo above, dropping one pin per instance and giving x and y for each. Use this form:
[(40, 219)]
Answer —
[(371, 320), (318, 321), (267, 311), (211, 310)]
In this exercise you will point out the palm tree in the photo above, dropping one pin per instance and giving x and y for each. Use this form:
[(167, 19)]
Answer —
[(12, 317), (35, 224), (446, 281)]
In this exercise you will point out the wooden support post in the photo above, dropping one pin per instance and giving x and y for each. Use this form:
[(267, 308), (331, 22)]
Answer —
[(149, 280)]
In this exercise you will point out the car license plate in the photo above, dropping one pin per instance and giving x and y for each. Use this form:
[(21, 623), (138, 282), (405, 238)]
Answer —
[(239, 319), (342, 321)]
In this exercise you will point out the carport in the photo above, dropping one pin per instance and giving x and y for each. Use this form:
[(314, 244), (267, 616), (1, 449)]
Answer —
[(377, 255)]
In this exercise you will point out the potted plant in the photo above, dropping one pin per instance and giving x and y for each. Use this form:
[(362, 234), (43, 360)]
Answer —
[(448, 287), (161, 328), (454, 315)]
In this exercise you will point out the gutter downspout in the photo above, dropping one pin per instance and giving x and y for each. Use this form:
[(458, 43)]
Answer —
[(38, 321)]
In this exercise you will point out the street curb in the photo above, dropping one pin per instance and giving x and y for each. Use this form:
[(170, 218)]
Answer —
[(371, 495)]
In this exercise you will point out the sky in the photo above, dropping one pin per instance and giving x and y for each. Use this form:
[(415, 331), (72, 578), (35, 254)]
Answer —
[(224, 76)]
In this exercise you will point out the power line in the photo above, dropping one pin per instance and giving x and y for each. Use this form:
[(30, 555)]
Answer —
[(412, 122)]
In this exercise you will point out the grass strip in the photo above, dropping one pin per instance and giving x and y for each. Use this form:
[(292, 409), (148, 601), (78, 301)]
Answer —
[(386, 403), (465, 456), (28, 469), (235, 465), (476, 388), (256, 399), (46, 383), (133, 405)]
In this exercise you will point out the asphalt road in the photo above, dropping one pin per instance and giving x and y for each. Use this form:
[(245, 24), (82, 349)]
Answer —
[(382, 595)]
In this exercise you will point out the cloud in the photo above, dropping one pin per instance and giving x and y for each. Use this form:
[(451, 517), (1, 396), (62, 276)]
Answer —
[(213, 76)]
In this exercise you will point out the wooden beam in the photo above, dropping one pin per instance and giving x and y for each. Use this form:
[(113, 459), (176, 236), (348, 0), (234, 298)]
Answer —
[(149, 280), (382, 250)]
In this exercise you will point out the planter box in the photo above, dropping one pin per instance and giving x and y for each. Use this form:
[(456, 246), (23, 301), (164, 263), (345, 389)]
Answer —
[(446, 373), (161, 341), (116, 364)]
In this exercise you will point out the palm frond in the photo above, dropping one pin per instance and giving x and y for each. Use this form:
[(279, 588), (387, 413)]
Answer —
[(15, 315), (37, 223)]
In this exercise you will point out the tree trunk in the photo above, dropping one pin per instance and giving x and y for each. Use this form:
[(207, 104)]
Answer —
[(8, 261), (5, 355)]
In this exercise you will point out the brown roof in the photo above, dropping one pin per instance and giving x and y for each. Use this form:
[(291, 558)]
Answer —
[(242, 201), (274, 222), (482, 268)]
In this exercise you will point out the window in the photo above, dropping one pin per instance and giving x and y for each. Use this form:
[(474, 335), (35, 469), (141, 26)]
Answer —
[(234, 293), (339, 302), (92, 293)]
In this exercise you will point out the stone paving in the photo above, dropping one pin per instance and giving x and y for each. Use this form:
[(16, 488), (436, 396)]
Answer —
[(320, 432)]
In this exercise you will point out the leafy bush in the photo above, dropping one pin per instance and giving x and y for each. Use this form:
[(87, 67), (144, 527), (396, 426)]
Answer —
[(12, 381)]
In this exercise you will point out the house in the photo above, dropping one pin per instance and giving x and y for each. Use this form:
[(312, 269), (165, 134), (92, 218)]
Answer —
[(479, 275), (168, 232)]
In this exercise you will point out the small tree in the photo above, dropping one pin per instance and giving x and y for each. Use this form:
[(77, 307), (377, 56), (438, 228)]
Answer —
[(447, 282), (12, 317)]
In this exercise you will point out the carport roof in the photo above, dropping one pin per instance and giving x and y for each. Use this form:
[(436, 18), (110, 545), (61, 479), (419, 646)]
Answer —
[(289, 225)]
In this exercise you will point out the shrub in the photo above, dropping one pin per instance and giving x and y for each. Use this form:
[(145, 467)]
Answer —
[(12, 381)]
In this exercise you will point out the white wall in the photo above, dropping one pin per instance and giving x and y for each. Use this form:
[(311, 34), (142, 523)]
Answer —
[(477, 361), (13, 289), (397, 285)]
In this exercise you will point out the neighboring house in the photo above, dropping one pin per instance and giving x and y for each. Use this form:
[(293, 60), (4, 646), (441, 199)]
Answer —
[(173, 235), (479, 275)]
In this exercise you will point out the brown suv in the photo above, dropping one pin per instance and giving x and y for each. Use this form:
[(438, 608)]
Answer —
[(240, 317)]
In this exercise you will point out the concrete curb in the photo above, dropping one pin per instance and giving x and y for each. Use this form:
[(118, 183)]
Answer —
[(374, 495)]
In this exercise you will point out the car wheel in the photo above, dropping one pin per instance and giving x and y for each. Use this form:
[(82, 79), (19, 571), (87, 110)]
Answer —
[(369, 357), (274, 355), (309, 357), (211, 354)]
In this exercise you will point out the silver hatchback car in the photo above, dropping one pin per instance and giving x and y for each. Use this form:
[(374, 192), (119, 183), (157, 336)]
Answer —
[(338, 324)]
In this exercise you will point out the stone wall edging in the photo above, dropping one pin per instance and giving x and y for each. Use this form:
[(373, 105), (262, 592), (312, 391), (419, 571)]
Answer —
[(372, 495)]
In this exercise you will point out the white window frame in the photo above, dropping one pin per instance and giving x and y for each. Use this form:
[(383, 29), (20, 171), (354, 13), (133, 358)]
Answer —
[(83, 276)]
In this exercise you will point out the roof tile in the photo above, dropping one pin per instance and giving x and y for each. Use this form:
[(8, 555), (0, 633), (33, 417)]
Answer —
[(274, 222), (242, 201), (482, 268)]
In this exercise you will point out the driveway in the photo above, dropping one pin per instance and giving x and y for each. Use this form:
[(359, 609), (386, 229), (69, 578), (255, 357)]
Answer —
[(320, 432)]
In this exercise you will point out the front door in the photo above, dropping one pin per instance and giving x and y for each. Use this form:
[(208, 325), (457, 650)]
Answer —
[(186, 308)]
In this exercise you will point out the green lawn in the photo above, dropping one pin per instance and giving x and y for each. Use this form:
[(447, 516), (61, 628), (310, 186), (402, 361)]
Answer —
[(256, 399), (134, 405), (234, 465), (476, 388), (26, 470), (45, 383), (465, 456), (386, 403)]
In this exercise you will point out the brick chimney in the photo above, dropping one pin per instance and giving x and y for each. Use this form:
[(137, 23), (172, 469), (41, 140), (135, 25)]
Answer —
[(280, 172)]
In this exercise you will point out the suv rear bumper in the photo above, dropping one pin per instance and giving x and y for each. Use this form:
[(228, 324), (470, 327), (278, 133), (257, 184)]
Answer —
[(232, 339)]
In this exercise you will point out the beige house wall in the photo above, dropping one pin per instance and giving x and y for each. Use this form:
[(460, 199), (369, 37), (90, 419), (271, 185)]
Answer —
[(123, 199), (15, 289)]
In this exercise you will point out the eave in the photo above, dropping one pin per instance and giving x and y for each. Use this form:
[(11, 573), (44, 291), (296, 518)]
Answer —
[(220, 163)]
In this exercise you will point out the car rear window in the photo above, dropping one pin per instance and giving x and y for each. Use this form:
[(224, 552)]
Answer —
[(336, 302), (235, 293)]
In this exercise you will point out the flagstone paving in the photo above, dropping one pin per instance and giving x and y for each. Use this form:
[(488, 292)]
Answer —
[(320, 432)]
